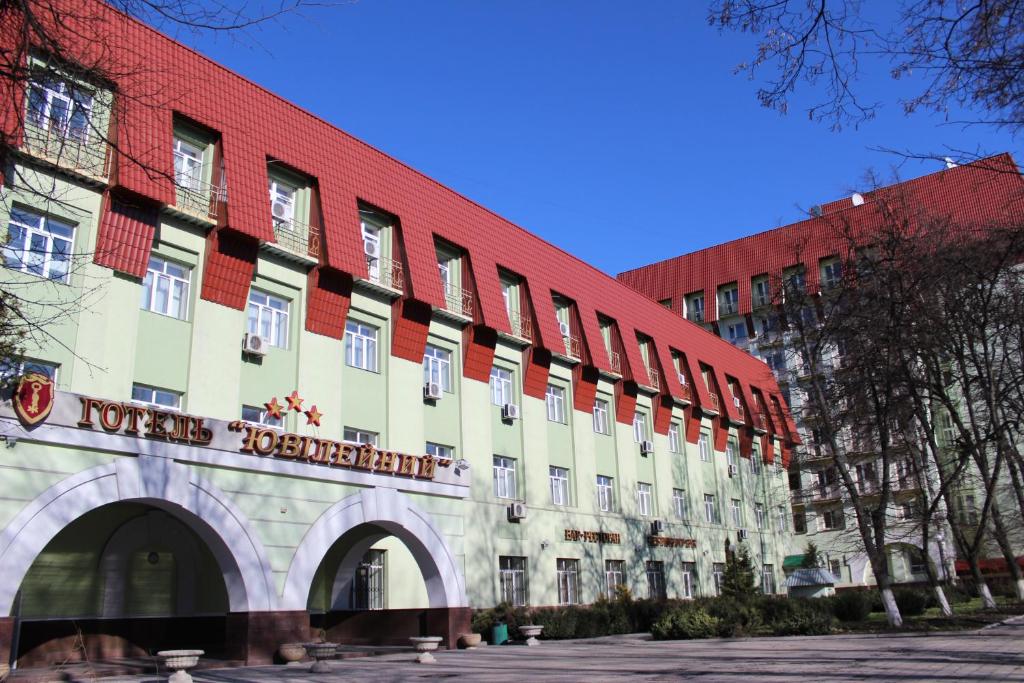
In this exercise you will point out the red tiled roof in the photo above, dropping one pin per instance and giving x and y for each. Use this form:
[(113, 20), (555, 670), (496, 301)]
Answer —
[(973, 194), (160, 77)]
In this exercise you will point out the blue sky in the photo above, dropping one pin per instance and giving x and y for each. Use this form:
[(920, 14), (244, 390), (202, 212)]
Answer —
[(616, 130)]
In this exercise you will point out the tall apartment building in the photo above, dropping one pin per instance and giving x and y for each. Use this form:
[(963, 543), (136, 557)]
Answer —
[(309, 388), (728, 289)]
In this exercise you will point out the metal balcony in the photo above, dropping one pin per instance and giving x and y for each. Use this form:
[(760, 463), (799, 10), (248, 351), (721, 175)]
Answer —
[(615, 362), (713, 403), (90, 158), (385, 272), (572, 347), (199, 199), (458, 300), (655, 383), (520, 325), (296, 237)]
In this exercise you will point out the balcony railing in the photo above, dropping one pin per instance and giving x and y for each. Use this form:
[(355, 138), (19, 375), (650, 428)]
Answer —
[(385, 272), (826, 492), (458, 300), (89, 157), (572, 347), (521, 325), (199, 198), (713, 402), (741, 413), (652, 375), (297, 237), (727, 308), (615, 362), (686, 393), (757, 421)]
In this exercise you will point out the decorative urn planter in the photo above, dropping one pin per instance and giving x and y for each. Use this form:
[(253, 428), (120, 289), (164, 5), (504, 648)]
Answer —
[(531, 631), (291, 652), (470, 641), (425, 645), (321, 652), (180, 661)]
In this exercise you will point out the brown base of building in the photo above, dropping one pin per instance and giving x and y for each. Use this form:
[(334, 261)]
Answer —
[(394, 626)]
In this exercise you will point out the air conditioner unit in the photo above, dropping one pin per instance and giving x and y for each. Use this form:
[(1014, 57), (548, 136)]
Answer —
[(372, 248), (254, 344), (733, 471), (682, 379), (280, 210), (510, 411), (517, 511), (736, 401), (646, 447), (564, 328), (432, 390), (741, 534), (657, 527)]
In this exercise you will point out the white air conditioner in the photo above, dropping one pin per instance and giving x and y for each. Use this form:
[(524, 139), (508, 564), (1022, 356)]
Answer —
[(254, 344), (657, 527), (517, 511), (280, 210), (510, 411), (372, 248), (432, 390), (733, 471), (646, 447), (682, 379), (736, 401), (564, 328), (741, 534)]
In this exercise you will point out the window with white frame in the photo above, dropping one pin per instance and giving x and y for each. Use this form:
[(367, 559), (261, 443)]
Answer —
[(614, 577), (282, 203), (679, 503), (768, 579), (39, 245), (675, 443), (501, 386), (836, 567), (759, 515), (261, 416), (729, 299), (656, 580), (704, 446), (554, 397), (16, 367), (163, 398), (639, 427), (360, 436), (559, 480), (268, 317), (831, 273), (601, 416), (361, 346), (830, 519), (188, 164), (782, 519), (695, 308), (736, 333), (755, 462), (605, 493), (710, 509), (59, 107), (644, 499), (689, 579), (165, 289), (513, 580), (718, 574), (736, 512), (568, 576), (437, 450), (437, 367), (762, 292), (504, 477), (732, 453)]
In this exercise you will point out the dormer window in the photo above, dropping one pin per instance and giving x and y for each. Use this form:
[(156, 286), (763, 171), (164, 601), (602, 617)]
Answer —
[(695, 307), (375, 230), (188, 164), (457, 297), (761, 291), (728, 300), (518, 319), (195, 193), (60, 108), (289, 194), (282, 204)]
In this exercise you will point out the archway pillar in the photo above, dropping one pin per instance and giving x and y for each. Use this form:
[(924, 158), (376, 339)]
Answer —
[(254, 637)]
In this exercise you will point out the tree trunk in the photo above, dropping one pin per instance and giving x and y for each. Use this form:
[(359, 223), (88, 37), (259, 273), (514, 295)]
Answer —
[(940, 596), (892, 611), (999, 532), (979, 582)]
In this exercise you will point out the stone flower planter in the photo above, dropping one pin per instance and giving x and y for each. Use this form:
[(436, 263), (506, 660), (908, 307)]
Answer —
[(425, 645), (470, 641), (291, 652), (321, 652), (180, 661), (530, 632)]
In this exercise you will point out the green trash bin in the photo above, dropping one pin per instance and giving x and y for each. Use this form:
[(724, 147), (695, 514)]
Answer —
[(499, 634)]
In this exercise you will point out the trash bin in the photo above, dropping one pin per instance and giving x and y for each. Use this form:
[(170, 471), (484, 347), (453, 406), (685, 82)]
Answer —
[(499, 634)]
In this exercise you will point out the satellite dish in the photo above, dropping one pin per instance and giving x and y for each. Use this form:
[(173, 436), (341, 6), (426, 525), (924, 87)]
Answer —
[(857, 199)]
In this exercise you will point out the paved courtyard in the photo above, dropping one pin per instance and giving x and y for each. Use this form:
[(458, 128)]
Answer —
[(994, 654)]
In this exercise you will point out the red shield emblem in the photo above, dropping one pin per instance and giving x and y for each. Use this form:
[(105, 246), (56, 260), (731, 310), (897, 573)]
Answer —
[(33, 399)]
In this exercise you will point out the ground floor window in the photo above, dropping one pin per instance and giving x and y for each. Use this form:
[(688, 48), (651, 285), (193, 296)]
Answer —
[(689, 579), (568, 573), (656, 580), (718, 573), (512, 577), (614, 576), (369, 586), (768, 579)]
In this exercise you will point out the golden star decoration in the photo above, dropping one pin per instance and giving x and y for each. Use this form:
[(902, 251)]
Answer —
[(273, 408), (313, 416), (294, 402)]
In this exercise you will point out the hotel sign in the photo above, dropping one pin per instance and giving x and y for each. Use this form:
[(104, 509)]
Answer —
[(592, 536), (666, 542)]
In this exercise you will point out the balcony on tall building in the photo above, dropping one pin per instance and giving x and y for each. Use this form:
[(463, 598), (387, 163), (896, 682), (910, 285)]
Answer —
[(521, 325), (385, 272), (297, 238), (199, 199), (572, 347), (87, 156), (713, 403), (652, 379), (458, 300), (615, 362)]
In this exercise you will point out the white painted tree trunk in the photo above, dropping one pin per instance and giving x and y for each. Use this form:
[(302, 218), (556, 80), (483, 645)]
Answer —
[(940, 596), (1020, 590), (892, 612), (986, 596)]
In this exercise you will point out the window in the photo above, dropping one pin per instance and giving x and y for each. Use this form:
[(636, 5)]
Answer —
[(188, 165), (736, 512), (768, 579), (689, 579), (704, 447), (361, 346), (501, 386), (799, 521), (504, 477), (831, 519), (39, 245), (762, 293), (605, 493), (759, 515), (260, 416), (359, 436), (437, 367), (268, 317), (373, 226), (836, 567), (783, 519), (61, 108), (555, 399), (614, 577), (436, 450), (695, 310), (639, 427), (755, 462), (282, 204), (643, 499), (718, 573), (512, 578), (679, 503), (11, 368), (370, 585), (165, 289), (729, 298), (915, 561), (731, 455), (156, 397), (656, 580), (559, 479), (600, 416), (831, 274), (568, 575), (667, 303), (736, 333), (710, 510), (674, 442)]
